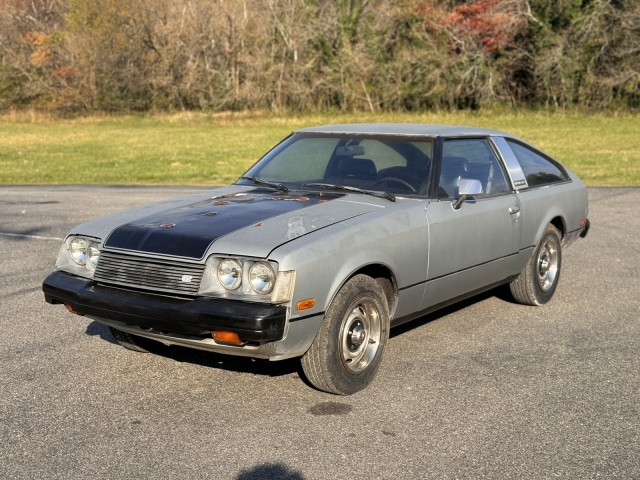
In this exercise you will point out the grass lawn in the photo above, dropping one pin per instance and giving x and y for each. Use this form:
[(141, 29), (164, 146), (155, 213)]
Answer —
[(201, 149)]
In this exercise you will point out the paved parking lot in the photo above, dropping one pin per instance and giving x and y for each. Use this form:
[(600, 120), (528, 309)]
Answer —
[(485, 389)]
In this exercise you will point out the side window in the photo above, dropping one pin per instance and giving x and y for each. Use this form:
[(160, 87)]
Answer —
[(471, 159), (538, 170)]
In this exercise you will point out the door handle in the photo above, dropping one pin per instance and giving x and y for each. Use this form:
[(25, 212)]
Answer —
[(514, 210)]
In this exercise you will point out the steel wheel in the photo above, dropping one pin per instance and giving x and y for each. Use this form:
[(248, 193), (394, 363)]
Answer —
[(346, 353), (548, 263), (538, 280), (360, 336)]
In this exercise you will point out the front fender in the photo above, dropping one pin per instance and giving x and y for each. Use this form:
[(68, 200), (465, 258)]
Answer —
[(395, 238)]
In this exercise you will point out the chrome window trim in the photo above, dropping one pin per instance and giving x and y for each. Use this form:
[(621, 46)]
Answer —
[(518, 180)]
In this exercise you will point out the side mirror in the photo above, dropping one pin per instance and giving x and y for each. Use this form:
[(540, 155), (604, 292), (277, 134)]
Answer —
[(467, 187)]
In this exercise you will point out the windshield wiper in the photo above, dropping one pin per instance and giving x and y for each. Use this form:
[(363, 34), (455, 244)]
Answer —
[(266, 183), (346, 188)]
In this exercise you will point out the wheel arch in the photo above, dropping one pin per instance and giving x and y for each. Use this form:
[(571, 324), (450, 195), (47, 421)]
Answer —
[(384, 276), (559, 223), (554, 219)]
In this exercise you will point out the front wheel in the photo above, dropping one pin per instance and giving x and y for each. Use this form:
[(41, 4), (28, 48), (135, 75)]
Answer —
[(537, 282), (346, 353)]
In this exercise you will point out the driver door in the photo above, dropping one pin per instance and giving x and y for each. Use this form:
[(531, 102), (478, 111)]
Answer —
[(475, 245)]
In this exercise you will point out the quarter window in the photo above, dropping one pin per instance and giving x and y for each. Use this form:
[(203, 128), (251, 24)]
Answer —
[(538, 170)]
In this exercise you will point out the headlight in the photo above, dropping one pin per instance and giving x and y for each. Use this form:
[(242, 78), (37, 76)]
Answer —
[(230, 274), (93, 255), (262, 278), (248, 279), (79, 255), (78, 251)]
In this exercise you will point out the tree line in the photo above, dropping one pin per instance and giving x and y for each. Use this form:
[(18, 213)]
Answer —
[(311, 55)]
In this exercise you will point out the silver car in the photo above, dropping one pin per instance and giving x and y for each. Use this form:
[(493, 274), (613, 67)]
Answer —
[(337, 234)]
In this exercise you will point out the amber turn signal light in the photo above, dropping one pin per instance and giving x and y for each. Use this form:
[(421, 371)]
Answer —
[(306, 304), (70, 309), (230, 338)]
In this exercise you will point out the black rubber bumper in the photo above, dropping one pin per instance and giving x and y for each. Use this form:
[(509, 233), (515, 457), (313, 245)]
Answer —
[(252, 322)]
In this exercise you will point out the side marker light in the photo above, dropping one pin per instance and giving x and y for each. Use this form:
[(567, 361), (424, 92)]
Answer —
[(306, 304)]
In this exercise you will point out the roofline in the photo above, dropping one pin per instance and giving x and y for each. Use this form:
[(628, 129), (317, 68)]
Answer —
[(405, 129)]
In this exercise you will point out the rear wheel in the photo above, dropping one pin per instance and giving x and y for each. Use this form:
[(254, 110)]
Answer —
[(346, 353), (129, 341), (537, 282)]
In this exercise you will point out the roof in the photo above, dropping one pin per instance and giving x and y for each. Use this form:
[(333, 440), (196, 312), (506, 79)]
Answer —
[(417, 129)]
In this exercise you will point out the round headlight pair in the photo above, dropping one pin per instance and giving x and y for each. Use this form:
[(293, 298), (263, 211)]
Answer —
[(84, 253), (261, 276)]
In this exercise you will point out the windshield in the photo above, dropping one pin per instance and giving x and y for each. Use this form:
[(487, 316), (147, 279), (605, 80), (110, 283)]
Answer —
[(396, 165)]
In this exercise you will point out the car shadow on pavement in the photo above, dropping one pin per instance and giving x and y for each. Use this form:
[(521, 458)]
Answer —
[(283, 367), (501, 292), (207, 359), (270, 470)]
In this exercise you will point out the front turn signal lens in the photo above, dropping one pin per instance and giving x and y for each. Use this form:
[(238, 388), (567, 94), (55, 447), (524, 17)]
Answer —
[(228, 338)]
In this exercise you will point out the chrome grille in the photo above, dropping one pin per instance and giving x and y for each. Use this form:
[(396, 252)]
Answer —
[(169, 276)]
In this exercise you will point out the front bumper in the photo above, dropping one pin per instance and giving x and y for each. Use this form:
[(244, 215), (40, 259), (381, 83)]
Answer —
[(257, 323)]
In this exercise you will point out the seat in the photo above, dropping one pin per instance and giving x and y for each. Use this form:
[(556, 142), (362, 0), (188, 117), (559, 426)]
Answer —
[(356, 168)]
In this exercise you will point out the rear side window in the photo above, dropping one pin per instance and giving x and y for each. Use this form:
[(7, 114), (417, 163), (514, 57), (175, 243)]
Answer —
[(538, 169)]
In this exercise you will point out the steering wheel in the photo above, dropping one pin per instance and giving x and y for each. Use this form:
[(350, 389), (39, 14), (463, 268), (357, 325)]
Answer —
[(402, 182)]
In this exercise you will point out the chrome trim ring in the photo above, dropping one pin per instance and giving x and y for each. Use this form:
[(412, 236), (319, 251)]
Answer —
[(547, 264), (360, 336)]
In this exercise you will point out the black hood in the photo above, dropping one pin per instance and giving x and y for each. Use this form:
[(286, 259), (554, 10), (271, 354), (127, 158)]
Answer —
[(187, 231)]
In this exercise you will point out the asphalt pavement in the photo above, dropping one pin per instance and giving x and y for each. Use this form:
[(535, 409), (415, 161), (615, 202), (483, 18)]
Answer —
[(485, 389)]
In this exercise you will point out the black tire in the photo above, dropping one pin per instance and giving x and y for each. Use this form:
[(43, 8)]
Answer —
[(346, 353), (538, 281), (128, 341)]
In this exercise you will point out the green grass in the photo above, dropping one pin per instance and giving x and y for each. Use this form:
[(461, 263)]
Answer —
[(200, 149)]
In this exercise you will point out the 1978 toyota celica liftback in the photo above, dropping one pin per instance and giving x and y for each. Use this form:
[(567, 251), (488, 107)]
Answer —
[(336, 234)]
